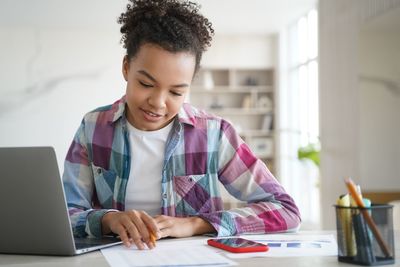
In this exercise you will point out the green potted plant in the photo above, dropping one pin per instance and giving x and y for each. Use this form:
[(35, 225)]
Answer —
[(311, 152)]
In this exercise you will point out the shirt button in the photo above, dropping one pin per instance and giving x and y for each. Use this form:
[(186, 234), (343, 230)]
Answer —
[(190, 179), (98, 171), (164, 195)]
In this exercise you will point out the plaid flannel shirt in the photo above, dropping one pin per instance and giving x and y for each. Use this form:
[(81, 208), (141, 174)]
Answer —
[(202, 152)]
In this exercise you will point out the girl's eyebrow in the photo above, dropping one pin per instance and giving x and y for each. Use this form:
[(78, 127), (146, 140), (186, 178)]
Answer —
[(145, 73)]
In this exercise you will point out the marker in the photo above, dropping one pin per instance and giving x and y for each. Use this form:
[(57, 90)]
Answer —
[(349, 243)]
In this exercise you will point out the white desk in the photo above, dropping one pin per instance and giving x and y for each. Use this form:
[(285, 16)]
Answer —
[(97, 259)]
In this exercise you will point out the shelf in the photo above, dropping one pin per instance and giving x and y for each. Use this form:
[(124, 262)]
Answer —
[(245, 98), (257, 133), (233, 89), (241, 111)]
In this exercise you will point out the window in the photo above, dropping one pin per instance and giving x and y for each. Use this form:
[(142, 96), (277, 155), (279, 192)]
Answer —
[(299, 119)]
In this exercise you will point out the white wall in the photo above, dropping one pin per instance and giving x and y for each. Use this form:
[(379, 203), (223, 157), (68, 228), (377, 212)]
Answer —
[(379, 153), (50, 78), (339, 28), (242, 51)]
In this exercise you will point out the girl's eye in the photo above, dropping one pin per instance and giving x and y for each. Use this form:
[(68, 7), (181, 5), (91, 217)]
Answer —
[(176, 94), (145, 84)]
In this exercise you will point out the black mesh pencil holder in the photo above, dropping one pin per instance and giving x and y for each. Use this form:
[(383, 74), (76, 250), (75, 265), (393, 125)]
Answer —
[(363, 240)]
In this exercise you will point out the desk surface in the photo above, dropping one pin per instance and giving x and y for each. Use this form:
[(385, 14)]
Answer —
[(97, 259)]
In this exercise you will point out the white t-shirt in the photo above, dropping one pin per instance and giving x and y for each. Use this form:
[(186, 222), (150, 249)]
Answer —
[(143, 191)]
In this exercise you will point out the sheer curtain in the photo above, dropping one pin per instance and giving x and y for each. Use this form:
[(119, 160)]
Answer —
[(298, 114)]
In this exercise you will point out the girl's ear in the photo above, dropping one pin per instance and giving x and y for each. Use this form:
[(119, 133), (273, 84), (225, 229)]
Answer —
[(125, 67)]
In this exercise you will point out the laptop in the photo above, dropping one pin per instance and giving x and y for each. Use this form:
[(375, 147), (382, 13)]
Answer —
[(34, 214)]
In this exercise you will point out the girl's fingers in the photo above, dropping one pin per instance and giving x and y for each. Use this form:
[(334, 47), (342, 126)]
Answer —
[(151, 225), (163, 222), (143, 229), (135, 226), (133, 232), (121, 231), (165, 232)]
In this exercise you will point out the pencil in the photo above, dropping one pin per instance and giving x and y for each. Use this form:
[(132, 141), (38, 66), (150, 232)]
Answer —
[(152, 238), (353, 192)]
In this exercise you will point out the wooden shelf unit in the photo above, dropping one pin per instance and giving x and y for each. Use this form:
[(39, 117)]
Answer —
[(244, 97)]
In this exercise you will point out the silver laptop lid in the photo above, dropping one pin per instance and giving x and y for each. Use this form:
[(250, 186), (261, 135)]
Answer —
[(34, 215)]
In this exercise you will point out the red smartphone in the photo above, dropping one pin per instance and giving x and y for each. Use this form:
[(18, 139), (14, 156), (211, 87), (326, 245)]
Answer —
[(237, 245)]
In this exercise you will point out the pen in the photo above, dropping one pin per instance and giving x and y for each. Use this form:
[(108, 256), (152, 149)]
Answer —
[(357, 198)]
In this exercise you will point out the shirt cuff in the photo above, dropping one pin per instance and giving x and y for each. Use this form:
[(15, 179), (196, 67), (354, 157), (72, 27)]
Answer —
[(93, 223), (222, 221)]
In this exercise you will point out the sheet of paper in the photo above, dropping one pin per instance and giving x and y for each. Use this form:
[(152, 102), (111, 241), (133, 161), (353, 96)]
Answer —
[(291, 245), (174, 252)]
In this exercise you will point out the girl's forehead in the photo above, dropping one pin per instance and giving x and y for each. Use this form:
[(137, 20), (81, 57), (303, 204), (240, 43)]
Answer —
[(153, 51), (163, 66), (157, 57)]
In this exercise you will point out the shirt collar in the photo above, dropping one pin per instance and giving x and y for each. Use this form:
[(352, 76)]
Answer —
[(118, 109)]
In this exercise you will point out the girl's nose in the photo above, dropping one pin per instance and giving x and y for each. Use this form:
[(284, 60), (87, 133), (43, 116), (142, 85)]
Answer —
[(157, 100)]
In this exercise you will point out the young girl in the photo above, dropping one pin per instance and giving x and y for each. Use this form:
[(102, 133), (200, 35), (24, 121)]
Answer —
[(150, 164)]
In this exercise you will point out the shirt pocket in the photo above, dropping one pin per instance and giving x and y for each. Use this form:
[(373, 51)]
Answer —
[(104, 181), (192, 194)]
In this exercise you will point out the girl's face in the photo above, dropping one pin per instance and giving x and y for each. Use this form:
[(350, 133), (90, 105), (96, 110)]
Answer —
[(157, 82)]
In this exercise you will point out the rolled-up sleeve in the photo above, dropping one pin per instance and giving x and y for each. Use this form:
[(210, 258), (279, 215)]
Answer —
[(269, 208), (79, 188)]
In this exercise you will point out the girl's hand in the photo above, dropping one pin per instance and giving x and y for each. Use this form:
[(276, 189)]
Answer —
[(133, 225), (182, 227)]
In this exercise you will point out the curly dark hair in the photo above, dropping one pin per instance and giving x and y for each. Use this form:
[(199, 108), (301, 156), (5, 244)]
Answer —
[(174, 25)]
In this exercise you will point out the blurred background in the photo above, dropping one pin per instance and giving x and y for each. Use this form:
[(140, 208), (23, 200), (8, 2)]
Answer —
[(312, 86)]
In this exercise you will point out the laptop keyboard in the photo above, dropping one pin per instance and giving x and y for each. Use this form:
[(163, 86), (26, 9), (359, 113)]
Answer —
[(81, 243)]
